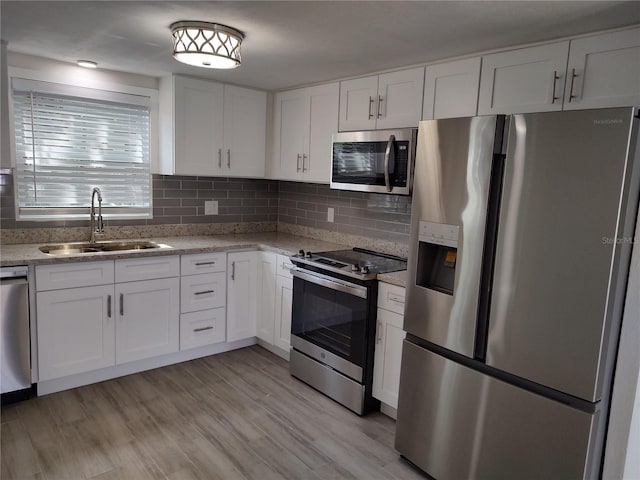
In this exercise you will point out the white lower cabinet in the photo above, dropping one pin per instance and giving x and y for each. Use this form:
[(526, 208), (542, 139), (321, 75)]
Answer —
[(388, 350), (284, 304), (205, 327), (265, 296), (76, 330), (241, 295), (81, 329), (147, 319)]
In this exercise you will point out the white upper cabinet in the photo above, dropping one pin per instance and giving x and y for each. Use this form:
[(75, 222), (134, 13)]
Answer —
[(304, 121), (245, 126), (604, 71), (451, 89), (198, 127), (390, 100), (208, 128), (524, 80), (358, 101)]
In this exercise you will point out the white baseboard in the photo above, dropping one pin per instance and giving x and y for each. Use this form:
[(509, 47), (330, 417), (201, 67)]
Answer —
[(273, 349), (389, 411), (87, 378)]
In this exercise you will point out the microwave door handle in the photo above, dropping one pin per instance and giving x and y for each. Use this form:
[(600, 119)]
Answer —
[(387, 155)]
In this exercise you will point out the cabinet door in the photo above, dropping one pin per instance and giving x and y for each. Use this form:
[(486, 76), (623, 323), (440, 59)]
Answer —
[(198, 127), (387, 358), (76, 330), (148, 316), (358, 100), (604, 71), (291, 124), (400, 99), (284, 302), (323, 104), (524, 80), (245, 119), (241, 295), (451, 89), (265, 296)]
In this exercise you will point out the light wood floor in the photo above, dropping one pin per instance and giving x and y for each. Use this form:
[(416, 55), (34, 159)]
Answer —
[(238, 415)]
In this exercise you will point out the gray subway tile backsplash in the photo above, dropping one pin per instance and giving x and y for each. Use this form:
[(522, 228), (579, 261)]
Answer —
[(180, 200)]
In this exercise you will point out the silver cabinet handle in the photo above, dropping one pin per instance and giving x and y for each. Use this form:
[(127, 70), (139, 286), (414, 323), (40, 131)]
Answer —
[(198, 264), (379, 336), (109, 306), (371, 100), (553, 93), (573, 77), (387, 156), (202, 329), (298, 163), (204, 292), (121, 304), (233, 270), (219, 158), (304, 159), (228, 158), (379, 106)]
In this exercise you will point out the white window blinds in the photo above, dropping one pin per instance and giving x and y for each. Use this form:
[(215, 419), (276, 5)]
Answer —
[(69, 140)]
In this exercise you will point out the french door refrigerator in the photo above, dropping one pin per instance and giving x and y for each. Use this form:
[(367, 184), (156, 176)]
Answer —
[(520, 243)]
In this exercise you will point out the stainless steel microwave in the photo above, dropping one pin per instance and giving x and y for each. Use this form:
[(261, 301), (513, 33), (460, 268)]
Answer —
[(379, 161)]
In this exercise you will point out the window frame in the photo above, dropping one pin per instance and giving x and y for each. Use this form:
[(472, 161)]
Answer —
[(74, 79)]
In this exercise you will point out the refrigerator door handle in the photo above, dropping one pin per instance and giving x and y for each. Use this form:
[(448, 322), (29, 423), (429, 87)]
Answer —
[(387, 154)]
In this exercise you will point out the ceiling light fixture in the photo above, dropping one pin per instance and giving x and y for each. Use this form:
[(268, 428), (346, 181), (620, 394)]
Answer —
[(208, 45), (86, 64)]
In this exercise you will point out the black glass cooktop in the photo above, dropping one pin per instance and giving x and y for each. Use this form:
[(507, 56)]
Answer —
[(378, 262)]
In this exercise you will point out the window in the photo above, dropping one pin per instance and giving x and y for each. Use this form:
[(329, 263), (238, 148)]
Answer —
[(71, 139)]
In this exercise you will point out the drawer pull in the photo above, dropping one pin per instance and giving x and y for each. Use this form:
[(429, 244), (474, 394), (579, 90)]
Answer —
[(199, 264), (204, 292), (202, 329), (109, 306), (121, 304)]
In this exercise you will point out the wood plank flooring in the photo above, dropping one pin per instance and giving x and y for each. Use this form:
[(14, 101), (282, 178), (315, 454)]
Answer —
[(237, 415)]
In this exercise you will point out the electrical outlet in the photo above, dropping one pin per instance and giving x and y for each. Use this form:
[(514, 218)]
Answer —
[(211, 207), (330, 214)]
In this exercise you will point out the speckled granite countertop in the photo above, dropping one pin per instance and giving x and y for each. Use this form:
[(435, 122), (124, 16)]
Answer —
[(395, 278), (283, 243)]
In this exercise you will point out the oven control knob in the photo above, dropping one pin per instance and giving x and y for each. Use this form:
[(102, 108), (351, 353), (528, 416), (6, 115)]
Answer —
[(364, 269), (355, 267), (301, 253), (307, 255)]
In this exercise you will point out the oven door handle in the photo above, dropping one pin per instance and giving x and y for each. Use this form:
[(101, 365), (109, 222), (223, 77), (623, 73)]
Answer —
[(330, 282)]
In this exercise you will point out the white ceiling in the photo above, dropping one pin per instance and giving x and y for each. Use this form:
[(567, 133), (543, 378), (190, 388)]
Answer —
[(297, 42)]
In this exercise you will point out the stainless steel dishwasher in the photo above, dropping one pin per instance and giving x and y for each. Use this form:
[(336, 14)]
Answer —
[(15, 348)]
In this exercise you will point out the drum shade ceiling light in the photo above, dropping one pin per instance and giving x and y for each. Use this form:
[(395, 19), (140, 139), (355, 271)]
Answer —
[(207, 45)]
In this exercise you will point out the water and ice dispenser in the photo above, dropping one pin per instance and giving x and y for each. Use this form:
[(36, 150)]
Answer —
[(437, 255)]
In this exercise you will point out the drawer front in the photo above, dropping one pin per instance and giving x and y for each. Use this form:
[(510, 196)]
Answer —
[(391, 297), (284, 265), (203, 292), (71, 275), (202, 328), (203, 263), (147, 268)]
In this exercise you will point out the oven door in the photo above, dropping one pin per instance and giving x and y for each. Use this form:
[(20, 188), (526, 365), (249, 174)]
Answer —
[(331, 314)]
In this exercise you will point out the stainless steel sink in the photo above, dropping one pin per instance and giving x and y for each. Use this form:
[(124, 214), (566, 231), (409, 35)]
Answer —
[(109, 246)]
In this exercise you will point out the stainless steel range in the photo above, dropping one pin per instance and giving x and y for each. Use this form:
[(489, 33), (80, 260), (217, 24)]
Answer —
[(334, 320)]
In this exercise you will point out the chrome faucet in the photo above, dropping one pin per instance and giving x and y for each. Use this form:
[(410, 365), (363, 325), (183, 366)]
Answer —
[(96, 227)]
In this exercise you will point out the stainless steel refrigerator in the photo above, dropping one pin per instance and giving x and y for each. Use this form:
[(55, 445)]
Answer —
[(521, 235)]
